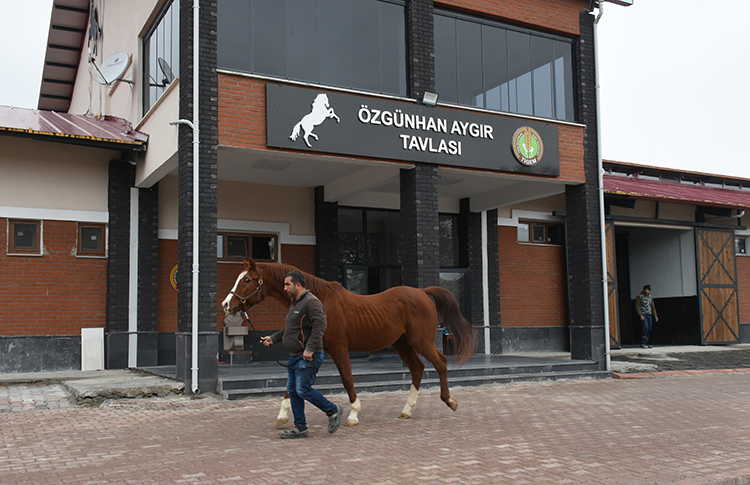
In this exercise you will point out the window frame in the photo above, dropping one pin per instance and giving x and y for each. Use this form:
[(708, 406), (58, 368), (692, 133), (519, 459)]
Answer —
[(741, 249), (513, 106), (146, 63), (540, 224), (249, 235), (80, 251), (36, 250)]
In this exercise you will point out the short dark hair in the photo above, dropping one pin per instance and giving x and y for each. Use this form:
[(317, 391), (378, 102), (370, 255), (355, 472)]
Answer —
[(297, 277), (646, 287)]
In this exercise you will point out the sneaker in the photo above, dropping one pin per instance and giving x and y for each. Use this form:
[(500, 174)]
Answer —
[(294, 433), (334, 420), (644, 346)]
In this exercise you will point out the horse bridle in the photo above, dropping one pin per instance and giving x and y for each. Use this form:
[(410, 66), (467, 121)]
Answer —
[(255, 292)]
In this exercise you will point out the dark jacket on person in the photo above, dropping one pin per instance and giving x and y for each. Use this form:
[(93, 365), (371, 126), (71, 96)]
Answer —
[(305, 325)]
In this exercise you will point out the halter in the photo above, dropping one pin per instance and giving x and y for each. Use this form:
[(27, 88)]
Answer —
[(257, 290)]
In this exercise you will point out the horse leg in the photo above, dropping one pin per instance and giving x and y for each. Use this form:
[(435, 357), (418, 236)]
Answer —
[(283, 416), (416, 369), (440, 362), (344, 365)]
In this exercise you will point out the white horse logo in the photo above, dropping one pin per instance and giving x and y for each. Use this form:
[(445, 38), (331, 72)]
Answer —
[(320, 111)]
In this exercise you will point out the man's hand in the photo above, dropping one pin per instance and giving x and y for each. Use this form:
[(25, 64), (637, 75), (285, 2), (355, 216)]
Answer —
[(266, 341), (307, 355)]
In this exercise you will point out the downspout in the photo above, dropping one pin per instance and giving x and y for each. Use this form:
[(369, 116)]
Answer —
[(600, 169), (196, 158), (485, 285)]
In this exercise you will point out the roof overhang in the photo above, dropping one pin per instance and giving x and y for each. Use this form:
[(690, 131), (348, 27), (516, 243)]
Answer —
[(65, 43), (102, 132), (676, 192)]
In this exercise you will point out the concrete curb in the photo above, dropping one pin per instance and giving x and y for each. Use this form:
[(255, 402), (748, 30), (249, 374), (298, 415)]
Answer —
[(675, 373), (739, 477)]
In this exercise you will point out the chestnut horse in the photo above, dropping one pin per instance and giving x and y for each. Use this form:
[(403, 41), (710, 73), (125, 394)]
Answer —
[(404, 317)]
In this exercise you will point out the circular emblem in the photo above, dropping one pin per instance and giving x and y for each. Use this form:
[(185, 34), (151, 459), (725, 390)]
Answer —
[(527, 146), (173, 277)]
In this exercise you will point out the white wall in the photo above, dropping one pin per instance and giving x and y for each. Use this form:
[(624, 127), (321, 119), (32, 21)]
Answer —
[(664, 259)]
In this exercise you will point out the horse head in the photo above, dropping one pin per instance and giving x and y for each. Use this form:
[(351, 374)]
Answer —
[(321, 100), (248, 290)]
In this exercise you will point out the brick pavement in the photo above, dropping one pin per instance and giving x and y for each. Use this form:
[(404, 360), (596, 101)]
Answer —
[(609, 431)]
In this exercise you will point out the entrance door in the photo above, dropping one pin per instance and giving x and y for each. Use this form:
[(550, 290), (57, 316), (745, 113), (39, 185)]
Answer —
[(717, 286), (614, 325)]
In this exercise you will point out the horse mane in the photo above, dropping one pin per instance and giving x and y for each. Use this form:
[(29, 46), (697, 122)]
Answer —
[(318, 286)]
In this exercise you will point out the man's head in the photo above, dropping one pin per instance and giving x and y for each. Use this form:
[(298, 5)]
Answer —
[(295, 284), (647, 289)]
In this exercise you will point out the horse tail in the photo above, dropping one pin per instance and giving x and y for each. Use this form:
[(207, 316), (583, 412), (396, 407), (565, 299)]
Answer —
[(295, 131), (464, 334)]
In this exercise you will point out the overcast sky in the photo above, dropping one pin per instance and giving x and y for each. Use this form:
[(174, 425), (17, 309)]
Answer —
[(673, 76)]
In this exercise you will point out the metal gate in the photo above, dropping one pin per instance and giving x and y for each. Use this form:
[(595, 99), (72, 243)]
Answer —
[(717, 286), (614, 324)]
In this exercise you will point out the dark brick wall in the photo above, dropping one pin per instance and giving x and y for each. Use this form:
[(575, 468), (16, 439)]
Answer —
[(326, 237), (208, 187), (148, 259), (420, 32), (583, 223), (420, 242), (121, 179)]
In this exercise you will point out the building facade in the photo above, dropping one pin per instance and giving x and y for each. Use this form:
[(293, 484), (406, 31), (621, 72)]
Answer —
[(321, 146)]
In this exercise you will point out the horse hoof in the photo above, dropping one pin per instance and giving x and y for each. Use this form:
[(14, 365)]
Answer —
[(351, 422), (281, 422), (404, 416), (452, 403)]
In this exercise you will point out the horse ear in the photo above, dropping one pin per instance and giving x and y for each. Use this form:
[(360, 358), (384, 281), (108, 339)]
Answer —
[(250, 264)]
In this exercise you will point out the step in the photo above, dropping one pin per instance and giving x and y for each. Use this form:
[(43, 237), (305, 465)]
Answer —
[(328, 388), (266, 381)]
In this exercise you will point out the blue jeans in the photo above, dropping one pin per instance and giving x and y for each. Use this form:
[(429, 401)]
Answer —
[(648, 322), (300, 378)]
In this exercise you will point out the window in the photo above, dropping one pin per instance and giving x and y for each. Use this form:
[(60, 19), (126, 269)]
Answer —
[(369, 249), (92, 239), (346, 43), (541, 233), (495, 66), (260, 247), (161, 55), (24, 237), (448, 227), (740, 246)]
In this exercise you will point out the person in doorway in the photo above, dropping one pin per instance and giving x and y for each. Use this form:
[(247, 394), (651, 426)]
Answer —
[(644, 307), (303, 337)]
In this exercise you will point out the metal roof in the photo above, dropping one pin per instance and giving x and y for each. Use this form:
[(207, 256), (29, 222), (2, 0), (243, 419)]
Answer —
[(694, 189), (67, 34), (104, 132)]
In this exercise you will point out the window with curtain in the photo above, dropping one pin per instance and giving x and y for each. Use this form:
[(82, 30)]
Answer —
[(494, 66), (359, 44)]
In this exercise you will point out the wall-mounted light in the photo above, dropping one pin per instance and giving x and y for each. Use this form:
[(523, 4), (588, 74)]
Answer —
[(429, 99)]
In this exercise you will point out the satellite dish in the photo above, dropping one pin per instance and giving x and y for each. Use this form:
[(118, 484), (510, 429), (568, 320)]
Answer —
[(166, 70), (112, 68)]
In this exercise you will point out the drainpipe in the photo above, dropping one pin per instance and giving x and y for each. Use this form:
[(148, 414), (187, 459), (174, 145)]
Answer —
[(600, 169), (196, 156), (485, 285)]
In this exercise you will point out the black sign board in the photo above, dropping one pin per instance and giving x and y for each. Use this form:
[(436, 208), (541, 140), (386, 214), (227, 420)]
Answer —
[(317, 120)]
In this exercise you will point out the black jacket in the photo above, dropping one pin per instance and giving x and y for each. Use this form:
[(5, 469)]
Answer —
[(305, 325)]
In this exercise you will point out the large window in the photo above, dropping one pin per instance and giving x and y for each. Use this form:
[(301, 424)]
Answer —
[(161, 55), (356, 44), (236, 247), (494, 66)]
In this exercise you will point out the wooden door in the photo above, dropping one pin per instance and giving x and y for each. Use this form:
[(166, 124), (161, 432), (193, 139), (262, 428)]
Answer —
[(717, 286), (614, 324)]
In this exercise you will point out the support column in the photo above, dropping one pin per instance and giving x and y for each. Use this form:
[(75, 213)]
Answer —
[(121, 179), (326, 237), (148, 277), (421, 45), (583, 225), (208, 337), (420, 241)]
